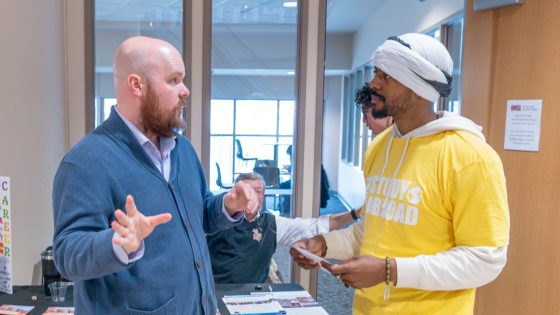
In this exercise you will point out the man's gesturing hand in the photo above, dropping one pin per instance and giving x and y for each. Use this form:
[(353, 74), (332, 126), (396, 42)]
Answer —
[(242, 197), (131, 228)]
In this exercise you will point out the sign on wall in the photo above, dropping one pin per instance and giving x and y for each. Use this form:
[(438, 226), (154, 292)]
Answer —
[(5, 236), (523, 125)]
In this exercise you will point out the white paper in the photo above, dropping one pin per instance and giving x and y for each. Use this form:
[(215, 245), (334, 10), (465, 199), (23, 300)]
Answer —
[(523, 125), (309, 255), (5, 236), (252, 304), (296, 302)]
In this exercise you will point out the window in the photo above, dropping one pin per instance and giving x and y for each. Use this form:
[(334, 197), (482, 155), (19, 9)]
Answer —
[(115, 21), (451, 35), (103, 109), (263, 127), (356, 135)]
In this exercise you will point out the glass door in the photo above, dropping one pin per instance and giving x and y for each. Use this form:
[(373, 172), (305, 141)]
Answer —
[(253, 99), (116, 20)]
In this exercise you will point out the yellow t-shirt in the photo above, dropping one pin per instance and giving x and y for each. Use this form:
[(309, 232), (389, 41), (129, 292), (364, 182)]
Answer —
[(449, 191)]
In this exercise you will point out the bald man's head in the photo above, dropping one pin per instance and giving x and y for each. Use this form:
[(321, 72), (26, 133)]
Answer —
[(140, 55), (148, 75)]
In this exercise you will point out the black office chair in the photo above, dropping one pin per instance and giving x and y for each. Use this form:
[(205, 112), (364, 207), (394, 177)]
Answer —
[(271, 175), (219, 179), (240, 155), (266, 163)]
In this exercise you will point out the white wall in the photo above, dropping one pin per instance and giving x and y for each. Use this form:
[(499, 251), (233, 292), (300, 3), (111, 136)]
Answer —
[(351, 185), (394, 18), (398, 17), (41, 115), (32, 121), (332, 126), (338, 51)]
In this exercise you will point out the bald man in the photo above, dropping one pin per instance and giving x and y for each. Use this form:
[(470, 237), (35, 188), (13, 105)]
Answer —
[(436, 221), (131, 205)]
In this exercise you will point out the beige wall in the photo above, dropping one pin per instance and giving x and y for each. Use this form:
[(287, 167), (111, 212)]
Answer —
[(34, 125), (513, 53)]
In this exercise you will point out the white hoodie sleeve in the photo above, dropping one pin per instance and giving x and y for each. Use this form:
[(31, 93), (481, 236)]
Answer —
[(345, 243), (459, 268), (290, 230)]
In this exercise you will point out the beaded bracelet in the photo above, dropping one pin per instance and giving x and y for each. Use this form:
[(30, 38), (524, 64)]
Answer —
[(387, 292)]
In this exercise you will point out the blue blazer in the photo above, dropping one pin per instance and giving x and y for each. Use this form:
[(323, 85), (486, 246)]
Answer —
[(174, 276)]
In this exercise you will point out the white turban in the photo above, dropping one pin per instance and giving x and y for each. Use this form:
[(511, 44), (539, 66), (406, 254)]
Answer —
[(424, 67)]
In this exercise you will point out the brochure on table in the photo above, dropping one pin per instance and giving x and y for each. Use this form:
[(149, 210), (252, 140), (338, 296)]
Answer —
[(59, 310), (5, 236), (10, 309), (272, 303)]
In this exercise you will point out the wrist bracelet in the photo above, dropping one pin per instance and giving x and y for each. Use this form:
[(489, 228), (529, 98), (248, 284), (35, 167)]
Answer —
[(353, 214), (387, 292)]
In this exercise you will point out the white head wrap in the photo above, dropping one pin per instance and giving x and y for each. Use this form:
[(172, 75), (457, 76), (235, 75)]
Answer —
[(425, 60)]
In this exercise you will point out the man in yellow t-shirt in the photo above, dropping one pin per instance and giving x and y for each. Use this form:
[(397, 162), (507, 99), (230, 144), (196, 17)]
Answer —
[(436, 215)]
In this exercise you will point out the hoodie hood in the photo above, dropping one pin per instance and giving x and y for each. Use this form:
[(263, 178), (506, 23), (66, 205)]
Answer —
[(446, 121)]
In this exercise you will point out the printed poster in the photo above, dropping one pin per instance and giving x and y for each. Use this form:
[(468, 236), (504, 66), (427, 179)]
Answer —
[(15, 309), (5, 236), (523, 125), (59, 310)]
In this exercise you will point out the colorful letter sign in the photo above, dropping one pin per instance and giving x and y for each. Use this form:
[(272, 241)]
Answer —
[(5, 236)]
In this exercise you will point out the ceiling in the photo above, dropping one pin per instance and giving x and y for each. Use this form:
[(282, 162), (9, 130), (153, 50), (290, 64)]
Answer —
[(350, 15), (342, 15)]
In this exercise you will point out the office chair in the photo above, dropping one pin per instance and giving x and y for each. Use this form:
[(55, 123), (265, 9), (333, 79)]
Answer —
[(240, 155), (271, 175), (219, 179)]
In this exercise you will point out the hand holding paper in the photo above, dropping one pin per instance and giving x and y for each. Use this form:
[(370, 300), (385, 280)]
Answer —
[(361, 271), (309, 255), (306, 253)]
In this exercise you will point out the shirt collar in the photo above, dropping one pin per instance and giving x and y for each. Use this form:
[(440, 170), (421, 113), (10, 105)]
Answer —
[(167, 143)]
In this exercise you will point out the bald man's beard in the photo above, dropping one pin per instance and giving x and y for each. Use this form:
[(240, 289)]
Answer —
[(156, 119)]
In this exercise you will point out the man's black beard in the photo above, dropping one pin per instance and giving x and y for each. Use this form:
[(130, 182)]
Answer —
[(402, 104), (364, 97), (382, 113)]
